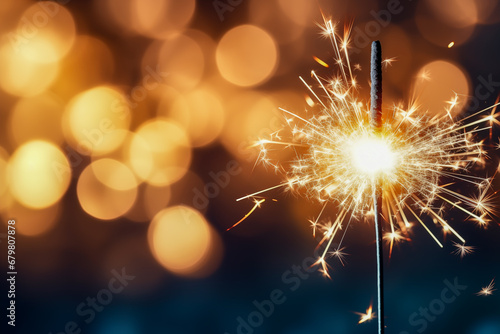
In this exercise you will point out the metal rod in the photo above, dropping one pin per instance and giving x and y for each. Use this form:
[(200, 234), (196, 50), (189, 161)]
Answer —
[(376, 123)]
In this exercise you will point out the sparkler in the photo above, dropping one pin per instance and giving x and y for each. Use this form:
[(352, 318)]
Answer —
[(402, 171)]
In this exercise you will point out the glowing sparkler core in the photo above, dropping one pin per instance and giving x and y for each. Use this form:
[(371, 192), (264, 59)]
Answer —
[(372, 156)]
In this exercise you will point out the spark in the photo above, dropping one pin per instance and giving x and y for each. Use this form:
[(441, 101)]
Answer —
[(369, 315), (462, 250), (309, 101), (321, 62), (421, 158), (487, 290), (388, 61), (451, 45), (257, 205), (425, 76), (392, 238), (493, 116), (339, 254)]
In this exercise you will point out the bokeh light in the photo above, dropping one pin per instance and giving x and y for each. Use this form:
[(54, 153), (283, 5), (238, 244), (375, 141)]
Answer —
[(178, 61), (247, 55), (23, 76), (45, 33), (160, 152), (436, 85), (107, 189), (183, 242), (200, 112), (94, 120), (39, 174)]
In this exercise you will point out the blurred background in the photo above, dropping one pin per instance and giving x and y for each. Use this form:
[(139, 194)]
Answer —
[(125, 128)]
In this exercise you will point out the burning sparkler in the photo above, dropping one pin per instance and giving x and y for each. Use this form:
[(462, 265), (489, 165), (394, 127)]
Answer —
[(393, 170)]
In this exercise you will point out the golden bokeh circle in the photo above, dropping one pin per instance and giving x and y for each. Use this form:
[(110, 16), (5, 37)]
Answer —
[(45, 33), (436, 85), (200, 112), (23, 76), (160, 152), (107, 189), (247, 55), (181, 62), (39, 174), (183, 242), (94, 121)]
